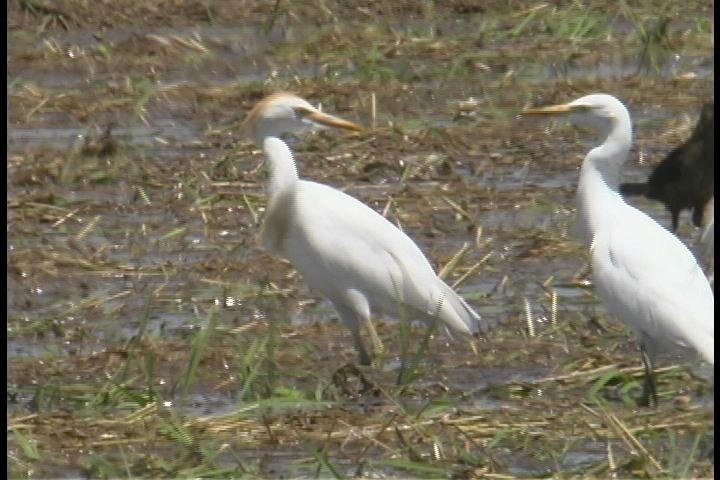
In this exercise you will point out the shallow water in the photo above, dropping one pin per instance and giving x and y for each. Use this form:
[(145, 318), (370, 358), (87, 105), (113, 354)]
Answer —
[(145, 242)]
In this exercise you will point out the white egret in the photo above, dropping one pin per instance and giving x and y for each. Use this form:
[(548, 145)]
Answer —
[(644, 275), (348, 252)]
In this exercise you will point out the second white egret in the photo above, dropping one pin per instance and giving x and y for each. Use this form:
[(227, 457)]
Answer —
[(644, 274)]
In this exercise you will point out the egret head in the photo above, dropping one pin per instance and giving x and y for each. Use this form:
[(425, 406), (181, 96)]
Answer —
[(281, 113), (599, 112)]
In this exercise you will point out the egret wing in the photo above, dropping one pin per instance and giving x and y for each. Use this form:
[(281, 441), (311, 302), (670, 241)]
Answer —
[(649, 279), (338, 243)]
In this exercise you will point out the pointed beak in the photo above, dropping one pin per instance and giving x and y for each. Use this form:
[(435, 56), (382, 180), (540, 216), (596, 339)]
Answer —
[(548, 110), (331, 121), (556, 109)]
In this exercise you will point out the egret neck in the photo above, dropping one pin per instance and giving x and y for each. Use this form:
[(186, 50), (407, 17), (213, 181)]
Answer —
[(597, 191), (283, 172)]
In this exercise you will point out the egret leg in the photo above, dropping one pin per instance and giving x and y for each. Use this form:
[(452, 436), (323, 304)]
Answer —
[(355, 312), (649, 397), (363, 356), (377, 344), (350, 319)]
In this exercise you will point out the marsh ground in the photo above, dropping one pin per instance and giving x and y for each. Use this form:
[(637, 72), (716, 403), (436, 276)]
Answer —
[(150, 336)]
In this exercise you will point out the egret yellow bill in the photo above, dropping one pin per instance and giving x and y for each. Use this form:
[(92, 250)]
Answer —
[(644, 274), (342, 248)]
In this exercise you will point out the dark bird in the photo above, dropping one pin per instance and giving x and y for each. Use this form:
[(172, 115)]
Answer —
[(686, 177)]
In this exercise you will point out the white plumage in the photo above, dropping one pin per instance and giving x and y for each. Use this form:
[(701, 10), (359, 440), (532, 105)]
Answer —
[(348, 252), (644, 274)]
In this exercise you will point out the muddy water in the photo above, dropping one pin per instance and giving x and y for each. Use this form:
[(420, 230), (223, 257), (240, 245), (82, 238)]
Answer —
[(155, 235)]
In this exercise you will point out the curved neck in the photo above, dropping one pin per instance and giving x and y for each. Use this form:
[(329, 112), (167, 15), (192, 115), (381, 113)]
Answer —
[(609, 158), (597, 193), (281, 165)]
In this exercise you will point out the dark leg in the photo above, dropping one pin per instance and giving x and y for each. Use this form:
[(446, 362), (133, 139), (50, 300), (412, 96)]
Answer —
[(649, 398), (675, 213), (697, 215)]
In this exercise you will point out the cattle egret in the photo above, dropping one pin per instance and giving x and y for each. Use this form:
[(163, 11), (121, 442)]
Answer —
[(644, 274), (686, 177), (345, 250)]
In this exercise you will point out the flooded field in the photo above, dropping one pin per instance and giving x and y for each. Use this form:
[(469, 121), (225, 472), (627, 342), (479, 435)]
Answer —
[(150, 335)]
